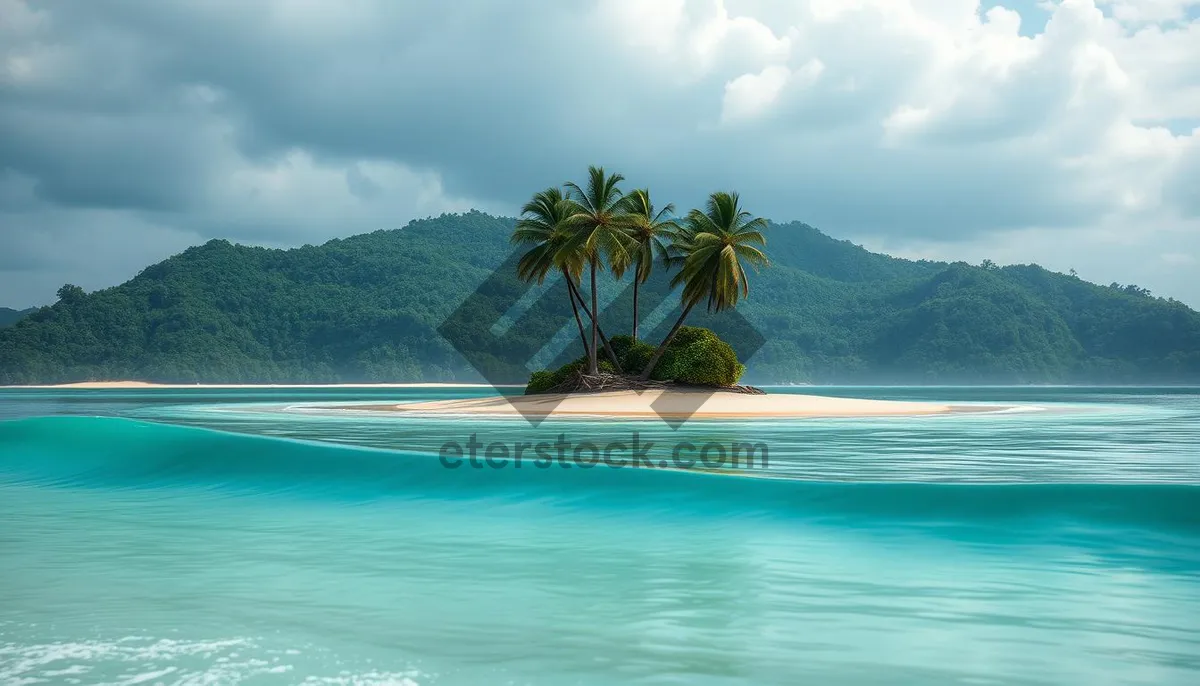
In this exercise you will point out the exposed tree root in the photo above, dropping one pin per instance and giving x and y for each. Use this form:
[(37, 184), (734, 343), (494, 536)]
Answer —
[(580, 382)]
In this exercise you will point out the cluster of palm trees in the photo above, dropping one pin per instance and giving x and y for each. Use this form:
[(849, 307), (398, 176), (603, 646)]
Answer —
[(576, 230)]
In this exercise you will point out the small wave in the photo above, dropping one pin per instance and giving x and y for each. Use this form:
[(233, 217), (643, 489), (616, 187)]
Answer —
[(1021, 409), (111, 452), (133, 660)]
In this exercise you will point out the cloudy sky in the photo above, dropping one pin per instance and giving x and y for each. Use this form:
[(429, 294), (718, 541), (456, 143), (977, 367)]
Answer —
[(1065, 133)]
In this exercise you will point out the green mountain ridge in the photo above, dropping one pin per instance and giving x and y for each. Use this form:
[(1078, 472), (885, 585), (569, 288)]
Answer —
[(9, 316), (367, 308)]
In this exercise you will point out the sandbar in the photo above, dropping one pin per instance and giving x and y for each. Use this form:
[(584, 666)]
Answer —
[(673, 403)]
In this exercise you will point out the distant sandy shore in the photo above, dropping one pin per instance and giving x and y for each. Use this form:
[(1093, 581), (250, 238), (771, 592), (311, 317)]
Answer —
[(144, 384), (667, 404)]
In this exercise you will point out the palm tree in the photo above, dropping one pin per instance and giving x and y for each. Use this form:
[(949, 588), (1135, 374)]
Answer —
[(599, 224), (573, 284), (542, 225), (711, 246), (651, 233)]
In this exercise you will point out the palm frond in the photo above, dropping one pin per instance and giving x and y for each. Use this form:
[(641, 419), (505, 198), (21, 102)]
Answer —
[(710, 246)]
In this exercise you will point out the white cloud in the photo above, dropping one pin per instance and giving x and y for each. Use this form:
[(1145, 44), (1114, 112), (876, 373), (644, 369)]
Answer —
[(750, 94), (1149, 11), (296, 197)]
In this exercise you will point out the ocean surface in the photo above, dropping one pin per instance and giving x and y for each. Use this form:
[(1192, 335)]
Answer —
[(250, 536)]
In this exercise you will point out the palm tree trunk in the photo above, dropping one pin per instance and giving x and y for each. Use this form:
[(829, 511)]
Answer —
[(575, 311), (635, 304), (593, 367), (612, 356), (666, 341)]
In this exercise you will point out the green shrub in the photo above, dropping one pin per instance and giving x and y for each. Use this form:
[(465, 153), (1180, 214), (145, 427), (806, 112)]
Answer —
[(690, 334), (540, 382), (568, 370), (620, 345), (698, 357), (695, 357), (633, 355), (707, 362), (638, 357), (543, 381), (668, 368)]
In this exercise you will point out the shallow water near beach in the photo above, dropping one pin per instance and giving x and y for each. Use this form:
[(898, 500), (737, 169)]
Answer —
[(249, 536)]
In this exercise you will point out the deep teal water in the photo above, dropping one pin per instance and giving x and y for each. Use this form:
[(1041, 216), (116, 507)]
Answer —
[(201, 536)]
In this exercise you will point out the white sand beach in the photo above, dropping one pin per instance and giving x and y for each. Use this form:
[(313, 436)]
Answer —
[(683, 404)]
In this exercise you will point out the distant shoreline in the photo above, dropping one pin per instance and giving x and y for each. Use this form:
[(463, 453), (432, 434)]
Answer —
[(132, 385)]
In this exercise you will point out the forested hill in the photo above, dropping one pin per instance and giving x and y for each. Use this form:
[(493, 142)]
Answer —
[(367, 308), (10, 316)]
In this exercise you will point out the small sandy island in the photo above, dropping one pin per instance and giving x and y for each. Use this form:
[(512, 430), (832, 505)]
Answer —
[(666, 404)]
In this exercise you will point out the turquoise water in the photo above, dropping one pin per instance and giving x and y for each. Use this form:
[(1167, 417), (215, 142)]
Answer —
[(213, 537)]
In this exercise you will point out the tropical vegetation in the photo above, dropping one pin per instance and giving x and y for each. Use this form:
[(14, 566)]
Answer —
[(651, 233), (694, 357), (599, 226), (369, 307)]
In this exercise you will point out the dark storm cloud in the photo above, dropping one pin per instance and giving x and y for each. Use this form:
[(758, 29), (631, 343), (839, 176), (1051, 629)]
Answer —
[(497, 98), (93, 160), (189, 115)]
